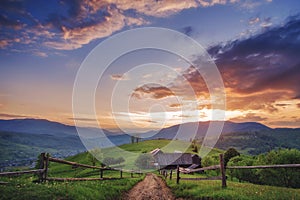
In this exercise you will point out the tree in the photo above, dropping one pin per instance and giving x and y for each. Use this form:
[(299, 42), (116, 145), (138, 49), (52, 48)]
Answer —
[(230, 153), (108, 161), (120, 160), (248, 175), (94, 155), (113, 161), (194, 146), (145, 161), (209, 161), (195, 149), (288, 177)]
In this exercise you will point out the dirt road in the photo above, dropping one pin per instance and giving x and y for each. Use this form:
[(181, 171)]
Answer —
[(152, 187)]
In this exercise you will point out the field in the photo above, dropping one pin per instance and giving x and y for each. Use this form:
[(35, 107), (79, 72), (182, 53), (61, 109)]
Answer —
[(235, 190), (25, 188)]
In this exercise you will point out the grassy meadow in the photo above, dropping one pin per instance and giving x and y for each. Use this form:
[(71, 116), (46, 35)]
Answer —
[(24, 187)]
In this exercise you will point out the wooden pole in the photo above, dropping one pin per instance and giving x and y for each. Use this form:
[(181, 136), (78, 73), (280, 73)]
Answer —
[(177, 177), (46, 160), (223, 173), (42, 165), (171, 174), (121, 174), (101, 173)]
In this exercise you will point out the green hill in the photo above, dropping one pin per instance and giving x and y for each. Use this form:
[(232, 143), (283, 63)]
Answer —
[(24, 187)]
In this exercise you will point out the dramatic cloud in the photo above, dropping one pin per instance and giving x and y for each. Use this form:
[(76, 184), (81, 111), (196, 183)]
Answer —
[(268, 61), (189, 84), (258, 72), (154, 91), (82, 21)]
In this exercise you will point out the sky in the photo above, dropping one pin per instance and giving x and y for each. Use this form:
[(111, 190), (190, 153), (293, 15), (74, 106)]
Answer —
[(255, 45)]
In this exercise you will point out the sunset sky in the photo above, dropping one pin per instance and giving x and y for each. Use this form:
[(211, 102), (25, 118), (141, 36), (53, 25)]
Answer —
[(254, 43)]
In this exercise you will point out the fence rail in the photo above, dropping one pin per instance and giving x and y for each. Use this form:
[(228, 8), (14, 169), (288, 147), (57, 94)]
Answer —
[(264, 166), (223, 168), (78, 179), (43, 171), (74, 163), (18, 173), (202, 179)]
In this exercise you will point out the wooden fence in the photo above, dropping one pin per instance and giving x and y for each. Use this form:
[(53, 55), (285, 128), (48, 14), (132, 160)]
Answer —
[(43, 171), (222, 168)]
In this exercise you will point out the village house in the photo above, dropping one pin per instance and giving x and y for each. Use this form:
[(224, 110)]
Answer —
[(172, 160)]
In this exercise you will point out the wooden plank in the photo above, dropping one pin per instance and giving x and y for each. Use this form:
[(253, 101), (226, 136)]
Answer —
[(126, 170), (79, 179), (186, 170), (75, 164), (265, 166), (37, 171), (202, 179)]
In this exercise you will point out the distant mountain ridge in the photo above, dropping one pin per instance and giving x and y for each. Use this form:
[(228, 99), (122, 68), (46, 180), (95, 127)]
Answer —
[(36, 126), (202, 127), (43, 126), (22, 139)]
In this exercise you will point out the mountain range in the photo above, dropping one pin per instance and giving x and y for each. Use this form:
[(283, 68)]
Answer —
[(23, 139)]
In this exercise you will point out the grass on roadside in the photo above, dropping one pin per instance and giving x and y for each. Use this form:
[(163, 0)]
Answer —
[(24, 188), (234, 190)]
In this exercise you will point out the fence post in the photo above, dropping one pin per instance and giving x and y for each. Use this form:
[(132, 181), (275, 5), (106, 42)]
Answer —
[(177, 178), (101, 173), (46, 161), (171, 174), (223, 172), (121, 174), (42, 164)]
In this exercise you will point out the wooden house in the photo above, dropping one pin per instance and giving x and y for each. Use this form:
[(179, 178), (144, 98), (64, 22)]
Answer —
[(172, 160)]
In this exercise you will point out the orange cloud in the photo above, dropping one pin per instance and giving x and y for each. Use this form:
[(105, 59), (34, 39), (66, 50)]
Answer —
[(87, 20), (175, 105), (118, 77), (153, 91), (4, 43)]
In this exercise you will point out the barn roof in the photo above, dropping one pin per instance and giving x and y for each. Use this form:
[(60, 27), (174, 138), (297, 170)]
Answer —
[(165, 159)]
